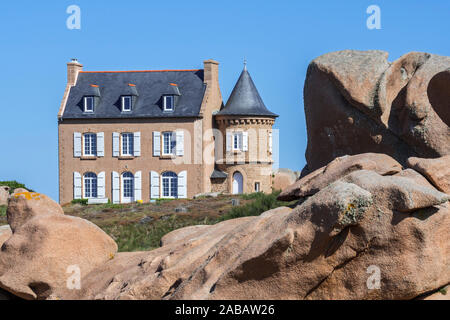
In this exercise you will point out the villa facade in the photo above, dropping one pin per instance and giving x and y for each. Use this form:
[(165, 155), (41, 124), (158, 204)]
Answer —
[(129, 136)]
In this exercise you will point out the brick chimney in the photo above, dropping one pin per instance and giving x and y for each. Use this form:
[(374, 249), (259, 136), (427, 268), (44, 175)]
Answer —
[(73, 68), (211, 72)]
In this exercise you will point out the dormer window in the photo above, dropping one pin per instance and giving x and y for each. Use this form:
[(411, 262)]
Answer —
[(168, 103), (88, 104), (126, 103)]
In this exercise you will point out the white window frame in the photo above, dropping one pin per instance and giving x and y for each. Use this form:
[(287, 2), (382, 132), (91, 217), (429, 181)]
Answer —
[(171, 141), (172, 98), (93, 141), (93, 192), (173, 192), (239, 135), (127, 199), (123, 103), (91, 98), (129, 141)]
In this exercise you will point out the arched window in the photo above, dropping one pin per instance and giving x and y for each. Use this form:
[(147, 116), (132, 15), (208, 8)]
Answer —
[(127, 187), (90, 185), (169, 185)]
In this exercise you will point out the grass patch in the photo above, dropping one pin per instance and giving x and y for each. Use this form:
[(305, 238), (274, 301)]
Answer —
[(3, 219), (261, 202), (138, 227), (3, 211), (139, 237)]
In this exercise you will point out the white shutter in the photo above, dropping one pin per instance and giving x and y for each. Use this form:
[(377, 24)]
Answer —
[(76, 185), (244, 141), (182, 184), (115, 144), (156, 143), (180, 143), (77, 144), (229, 141), (115, 186), (137, 144), (101, 185), (154, 185), (100, 144), (138, 186), (270, 142)]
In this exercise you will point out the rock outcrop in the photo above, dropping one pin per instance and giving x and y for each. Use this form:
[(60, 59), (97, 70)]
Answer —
[(371, 222), (282, 178), (46, 246), (330, 246), (4, 195), (336, 169), (437, 171), (5, 234), (400, 109)]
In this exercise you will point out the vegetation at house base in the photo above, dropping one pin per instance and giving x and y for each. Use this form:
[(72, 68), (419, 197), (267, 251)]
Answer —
[(14, 185), (3, 215), (138, 227), (83, 202)]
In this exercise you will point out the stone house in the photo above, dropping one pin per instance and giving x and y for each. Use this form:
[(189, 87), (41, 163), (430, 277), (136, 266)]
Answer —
[(133, 136)]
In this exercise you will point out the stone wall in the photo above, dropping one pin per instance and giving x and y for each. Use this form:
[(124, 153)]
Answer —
[(145, 163)]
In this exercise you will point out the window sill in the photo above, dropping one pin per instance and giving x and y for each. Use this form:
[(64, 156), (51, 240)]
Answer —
[(126, 157), (168, 156), (89, 157)]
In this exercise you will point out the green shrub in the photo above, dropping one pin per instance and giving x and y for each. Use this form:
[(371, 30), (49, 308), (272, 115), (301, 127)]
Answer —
[(251, 196), (3, 211), (14, 185), (262, 202), (83, 202), (160, 201)]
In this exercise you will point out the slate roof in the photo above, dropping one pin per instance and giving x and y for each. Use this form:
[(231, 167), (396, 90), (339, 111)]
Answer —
[(148, 87), (245, 99), (217, 174)]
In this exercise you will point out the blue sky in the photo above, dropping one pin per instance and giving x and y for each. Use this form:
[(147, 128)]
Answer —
[(278, 38)]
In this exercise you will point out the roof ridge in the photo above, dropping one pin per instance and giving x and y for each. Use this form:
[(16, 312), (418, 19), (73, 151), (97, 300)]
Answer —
[(174, 70)]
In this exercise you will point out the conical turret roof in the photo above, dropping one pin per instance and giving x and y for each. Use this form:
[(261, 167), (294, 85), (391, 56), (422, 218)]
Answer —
[(245, 99)]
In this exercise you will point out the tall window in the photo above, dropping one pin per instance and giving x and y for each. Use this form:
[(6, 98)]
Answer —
[(257, 187), (90, 144), (126, 103), (127, 187), (90, 185), (88, 104), (127, 144), (168, 103), (237, 141), (169, 185), (169, 143)]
